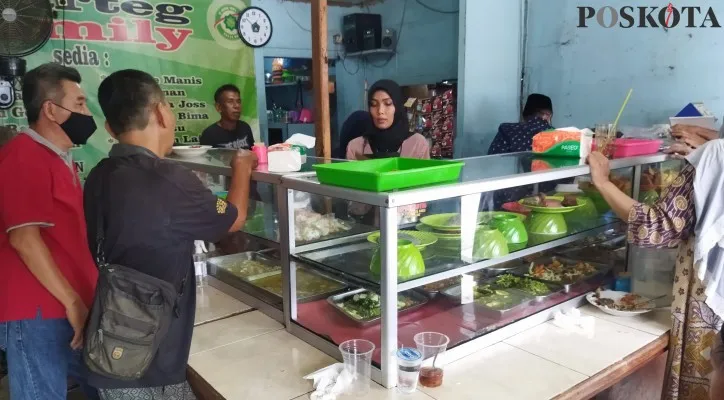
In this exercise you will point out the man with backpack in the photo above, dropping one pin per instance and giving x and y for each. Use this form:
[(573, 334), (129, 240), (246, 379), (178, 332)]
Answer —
[(48, 275), (144, 213)]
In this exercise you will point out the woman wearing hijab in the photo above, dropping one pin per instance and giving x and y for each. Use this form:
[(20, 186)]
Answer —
[(389, 134), (690, 214)]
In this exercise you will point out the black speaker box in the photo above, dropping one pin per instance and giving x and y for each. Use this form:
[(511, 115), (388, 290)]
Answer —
[(362, 32)]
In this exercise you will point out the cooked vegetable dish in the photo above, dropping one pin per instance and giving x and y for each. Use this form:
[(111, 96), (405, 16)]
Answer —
[(368, 305), (527, 285), (629, 302), (308, 284), (249, 268), (557, 271), (495, 298)]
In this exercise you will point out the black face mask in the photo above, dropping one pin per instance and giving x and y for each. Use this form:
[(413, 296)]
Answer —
[(78, 127)]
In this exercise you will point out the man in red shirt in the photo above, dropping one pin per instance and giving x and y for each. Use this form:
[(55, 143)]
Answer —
[(48, 274)]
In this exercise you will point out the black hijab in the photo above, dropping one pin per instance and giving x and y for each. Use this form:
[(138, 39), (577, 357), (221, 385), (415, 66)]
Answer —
[(389, 141)]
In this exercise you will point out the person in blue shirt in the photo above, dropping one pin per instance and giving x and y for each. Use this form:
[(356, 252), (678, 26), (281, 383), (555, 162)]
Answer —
[(518, 136)]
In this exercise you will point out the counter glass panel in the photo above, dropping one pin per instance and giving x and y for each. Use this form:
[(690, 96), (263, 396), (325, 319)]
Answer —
[(528, 248)]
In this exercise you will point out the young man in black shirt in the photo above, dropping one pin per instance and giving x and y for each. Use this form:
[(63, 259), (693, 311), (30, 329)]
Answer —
[(229, 132), (154, 209)]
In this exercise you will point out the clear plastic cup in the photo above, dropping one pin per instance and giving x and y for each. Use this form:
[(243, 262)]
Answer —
[(357, 357), (408, 369), (432, 345)]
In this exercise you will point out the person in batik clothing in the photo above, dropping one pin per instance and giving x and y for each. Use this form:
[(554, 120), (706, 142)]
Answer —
[(668, 223)]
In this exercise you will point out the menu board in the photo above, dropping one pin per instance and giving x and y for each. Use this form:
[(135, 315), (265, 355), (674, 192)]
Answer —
[(191, 47)]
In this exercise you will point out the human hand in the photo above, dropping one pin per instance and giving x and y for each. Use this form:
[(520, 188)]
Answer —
[(681, 130), (243, 162), (600, 169), (679, 150), (77, 314), (692, 140)]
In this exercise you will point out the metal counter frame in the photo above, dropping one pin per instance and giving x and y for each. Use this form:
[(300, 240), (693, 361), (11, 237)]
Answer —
[(388, 203)]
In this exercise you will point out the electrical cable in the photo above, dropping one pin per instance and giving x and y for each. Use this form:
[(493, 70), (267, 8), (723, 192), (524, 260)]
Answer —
[(344, 58), (294, 20), (437, 10)]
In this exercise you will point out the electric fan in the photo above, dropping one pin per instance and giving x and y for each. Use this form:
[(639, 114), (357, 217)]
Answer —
[(25, 26)]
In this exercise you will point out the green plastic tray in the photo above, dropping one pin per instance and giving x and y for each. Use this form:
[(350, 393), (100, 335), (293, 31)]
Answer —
[(388, 173)]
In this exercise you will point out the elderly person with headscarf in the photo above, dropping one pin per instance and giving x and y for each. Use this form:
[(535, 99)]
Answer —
[(690, 215), (389, 134)]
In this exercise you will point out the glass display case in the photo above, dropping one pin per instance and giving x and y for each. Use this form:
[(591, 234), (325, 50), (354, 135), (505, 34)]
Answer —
[(528, 237), (247, 265), (514, 240)]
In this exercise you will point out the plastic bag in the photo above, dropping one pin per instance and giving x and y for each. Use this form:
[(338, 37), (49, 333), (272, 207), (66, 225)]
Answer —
[(653, 132)]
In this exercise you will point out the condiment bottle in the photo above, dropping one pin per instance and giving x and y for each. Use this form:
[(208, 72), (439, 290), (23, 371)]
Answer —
[(261, 153)]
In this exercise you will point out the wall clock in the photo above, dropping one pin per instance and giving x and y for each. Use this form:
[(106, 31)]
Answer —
[(254, 26)]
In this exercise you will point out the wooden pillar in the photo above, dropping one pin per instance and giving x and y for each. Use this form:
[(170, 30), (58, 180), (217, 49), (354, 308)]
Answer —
[(320, 78)]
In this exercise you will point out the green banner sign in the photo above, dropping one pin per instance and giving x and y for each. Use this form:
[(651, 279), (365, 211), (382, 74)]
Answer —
[(191, 47)]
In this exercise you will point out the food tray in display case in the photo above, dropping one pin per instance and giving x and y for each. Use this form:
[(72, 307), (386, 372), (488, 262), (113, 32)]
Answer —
[(492, 301), (564, 271), (541, 290), (407, 301), (248, 266), (311, 285), (431, 290)]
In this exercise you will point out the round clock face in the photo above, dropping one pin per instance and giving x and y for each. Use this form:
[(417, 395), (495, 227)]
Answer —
[(255, 27)]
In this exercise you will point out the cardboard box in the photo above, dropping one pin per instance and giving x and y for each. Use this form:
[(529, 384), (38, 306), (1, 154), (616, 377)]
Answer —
[(695, 114)]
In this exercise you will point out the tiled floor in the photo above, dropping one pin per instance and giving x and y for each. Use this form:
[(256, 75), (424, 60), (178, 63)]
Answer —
[(212, 304), (249, 356)]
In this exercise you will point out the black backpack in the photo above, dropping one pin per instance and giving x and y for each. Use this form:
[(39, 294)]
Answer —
[(130, 316)]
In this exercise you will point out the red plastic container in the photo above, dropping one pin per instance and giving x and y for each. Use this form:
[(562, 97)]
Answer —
[(636, 147)]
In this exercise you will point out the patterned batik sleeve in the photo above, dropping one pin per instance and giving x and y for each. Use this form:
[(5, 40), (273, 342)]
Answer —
[(668, 221)]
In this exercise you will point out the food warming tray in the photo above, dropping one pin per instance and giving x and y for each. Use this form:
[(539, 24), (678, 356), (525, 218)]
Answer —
[(319, 296), (602, 269), (419, 299), (520, 301), (225, 263), (554, 288)]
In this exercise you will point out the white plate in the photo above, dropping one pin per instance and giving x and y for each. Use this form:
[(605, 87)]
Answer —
[(616, 296), (191, 151)]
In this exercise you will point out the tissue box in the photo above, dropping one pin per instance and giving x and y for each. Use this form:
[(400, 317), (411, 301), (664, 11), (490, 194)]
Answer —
[(565, 142), (284, 161)]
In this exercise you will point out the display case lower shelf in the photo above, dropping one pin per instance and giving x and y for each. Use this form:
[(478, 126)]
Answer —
[(461, 323)]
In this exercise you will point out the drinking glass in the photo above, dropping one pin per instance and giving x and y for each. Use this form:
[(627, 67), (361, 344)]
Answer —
[(603, 137), (408, 369), (357, 357), (432, 345)]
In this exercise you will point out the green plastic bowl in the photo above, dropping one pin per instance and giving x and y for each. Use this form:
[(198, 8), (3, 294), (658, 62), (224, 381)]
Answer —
[(512, 228), (547, 224), (410, 263), (490, 243)]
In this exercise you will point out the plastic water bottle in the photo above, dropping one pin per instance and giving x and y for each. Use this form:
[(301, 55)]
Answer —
[(200, 263)]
